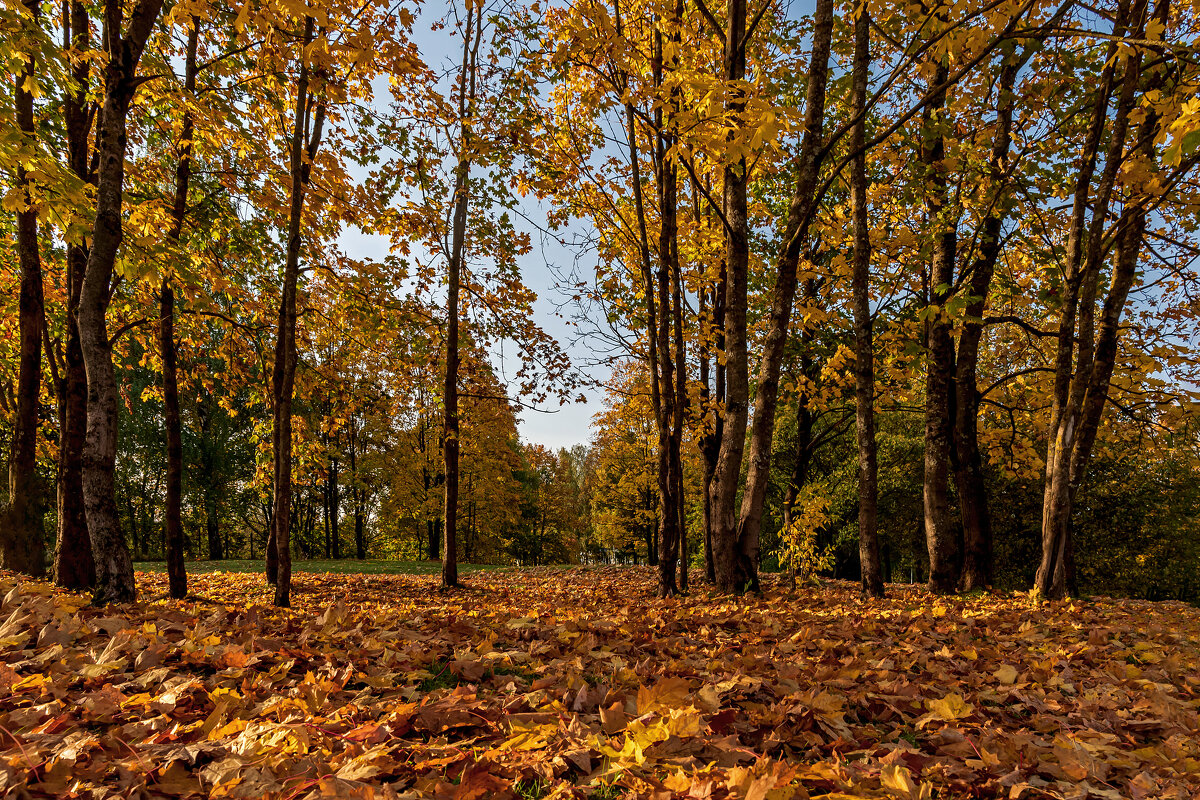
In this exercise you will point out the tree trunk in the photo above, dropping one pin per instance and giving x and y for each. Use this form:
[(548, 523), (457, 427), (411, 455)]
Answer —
[(670, 370), (940, 536), (74, 566), (472, 35), (1082, 271), (284, 373), (212, 526), (710, 443), (176, 572), (114, 568), (22, 538), (335, 534), (1098, 345), (727, 474), (870, 569), (803, 455), (356, 496), (969, 477), (795, 235)]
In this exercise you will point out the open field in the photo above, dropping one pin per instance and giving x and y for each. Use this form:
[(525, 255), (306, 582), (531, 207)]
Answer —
[(579, 683)]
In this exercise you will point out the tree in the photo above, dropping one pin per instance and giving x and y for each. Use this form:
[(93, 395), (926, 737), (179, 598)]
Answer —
[(864, 352), (124, 45), (21, 542)]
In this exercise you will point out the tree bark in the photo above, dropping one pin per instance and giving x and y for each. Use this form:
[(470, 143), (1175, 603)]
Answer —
[(710, 403), (940, 536), (795, 235), (726, 476), (173, 513), (1082, 271), (969, 476), (74, 567), (670, 369), (472, 34), (22, 540), (356, 496), (1081, 393), (303, 150), (335, 534), (870, 568), (114, 568)]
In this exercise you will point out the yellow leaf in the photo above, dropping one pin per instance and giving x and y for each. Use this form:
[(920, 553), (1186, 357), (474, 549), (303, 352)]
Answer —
[(948, 709)]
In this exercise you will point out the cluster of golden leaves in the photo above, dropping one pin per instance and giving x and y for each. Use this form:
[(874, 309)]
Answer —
[(578, 682)]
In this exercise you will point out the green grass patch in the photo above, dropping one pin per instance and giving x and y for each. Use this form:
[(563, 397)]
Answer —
[(345, 566)]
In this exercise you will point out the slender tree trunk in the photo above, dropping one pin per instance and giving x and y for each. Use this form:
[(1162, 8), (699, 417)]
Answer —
[(176, 572), (335, 534), (74, 567), (710, 443), (681, 404), (969, 477), (472, 36), (356, 495), (727, 475), (802, 458), (22, 538), (1082, 271), (940, 536), (303, 150), (668, 415), (870, 569), (1099, 344), (795, 235), (114, 568), (212, 527)]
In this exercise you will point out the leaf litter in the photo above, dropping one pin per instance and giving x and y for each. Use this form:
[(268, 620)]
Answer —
[(579, 683)]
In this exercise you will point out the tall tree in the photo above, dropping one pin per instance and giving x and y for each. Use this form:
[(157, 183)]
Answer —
[(795, 236), (307, 130), (22, 543), (940, 536), (74, 565), (472, 36), (173, 511), (735, 177), (123, 46), (871, 571)]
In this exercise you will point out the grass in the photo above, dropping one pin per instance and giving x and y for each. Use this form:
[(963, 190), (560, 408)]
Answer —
[(343, 566)]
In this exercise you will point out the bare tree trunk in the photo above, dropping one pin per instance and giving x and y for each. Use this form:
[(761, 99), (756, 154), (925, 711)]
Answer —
[(727, 475), (870, 569), (1082, 272), (303, 150), (1078, 423), (472, 34), (22, 539), (335, 534), (114, 568), (176, 572), (668, 415), (74, 566), (802, 456), (940, 536), (969, 477), (356, 495), (681, 403), (795, 235), (710, 443)]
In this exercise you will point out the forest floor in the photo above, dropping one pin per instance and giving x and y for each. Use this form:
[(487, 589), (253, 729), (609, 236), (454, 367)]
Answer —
[(579, 683)]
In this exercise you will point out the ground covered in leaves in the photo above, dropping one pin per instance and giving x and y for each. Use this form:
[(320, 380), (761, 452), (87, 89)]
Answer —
[(578, 683)]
